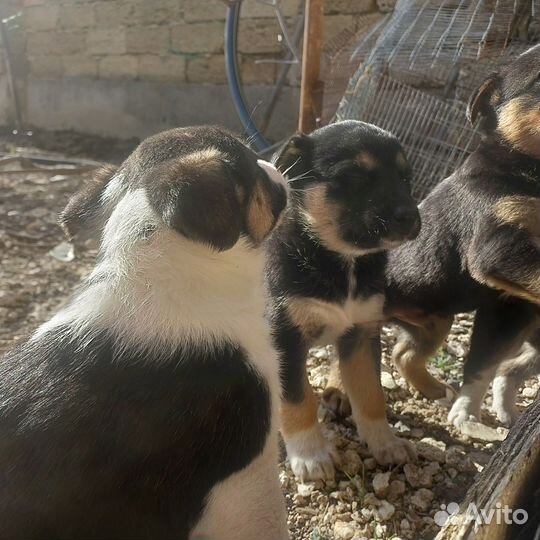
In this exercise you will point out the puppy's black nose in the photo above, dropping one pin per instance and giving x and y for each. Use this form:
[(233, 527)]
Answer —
[(405, 215), (407, 220)]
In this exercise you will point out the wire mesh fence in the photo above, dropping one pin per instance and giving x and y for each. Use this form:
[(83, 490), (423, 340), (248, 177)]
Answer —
[(414, 71)]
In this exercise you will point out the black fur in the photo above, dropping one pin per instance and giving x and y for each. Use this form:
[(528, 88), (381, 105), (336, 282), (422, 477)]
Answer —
[(101, 441), (466, 257)]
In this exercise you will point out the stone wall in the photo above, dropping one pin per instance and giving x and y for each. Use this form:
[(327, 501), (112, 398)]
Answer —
[(175, 45)]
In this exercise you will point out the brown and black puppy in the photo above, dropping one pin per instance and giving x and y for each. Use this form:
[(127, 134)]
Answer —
[(350, 203), (479, 249), (147, 407)]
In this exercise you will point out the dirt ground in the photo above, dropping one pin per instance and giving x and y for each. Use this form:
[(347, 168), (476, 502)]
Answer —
[(365, 501)]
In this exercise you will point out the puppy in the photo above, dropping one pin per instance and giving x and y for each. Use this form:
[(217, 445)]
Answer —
[(146, 408), (479, 249), (350, 203)]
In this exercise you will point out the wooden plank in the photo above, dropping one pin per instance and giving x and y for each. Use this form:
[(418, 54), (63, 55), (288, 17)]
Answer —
[(509, 480), (311, 87)]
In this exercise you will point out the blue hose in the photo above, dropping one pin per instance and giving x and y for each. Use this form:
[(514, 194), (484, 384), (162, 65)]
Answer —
[(235, 86)]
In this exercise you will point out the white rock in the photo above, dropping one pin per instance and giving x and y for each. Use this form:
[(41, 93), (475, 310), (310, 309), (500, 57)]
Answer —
[(405, 525), (431, 449), (305, 490), (385, 511), (387, 381), (381, 482), (528, 392), (343, 530)]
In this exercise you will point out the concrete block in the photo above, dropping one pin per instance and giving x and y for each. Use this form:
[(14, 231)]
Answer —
[(77, 16), (55, 42), (41, 17), (46, 66), (342, 7), (206, 69), (204, 37), (162, 68), (106, 41), (113, 14), (334, 25), (119, 67), (157, 11), (147, 39), (79, 65), (253, 9), (255, 72), (138, 109), (207, 10), (260, 36)]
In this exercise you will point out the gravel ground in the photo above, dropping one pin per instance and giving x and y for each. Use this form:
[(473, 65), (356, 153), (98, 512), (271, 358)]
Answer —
[(365, 501)]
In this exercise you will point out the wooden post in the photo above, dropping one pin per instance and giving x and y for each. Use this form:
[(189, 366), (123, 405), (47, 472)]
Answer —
[(311, 87)]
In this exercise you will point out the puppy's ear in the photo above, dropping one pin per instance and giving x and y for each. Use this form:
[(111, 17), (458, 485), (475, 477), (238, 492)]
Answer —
[(84, 208), (294, 158), (484, 100), (196, 197)]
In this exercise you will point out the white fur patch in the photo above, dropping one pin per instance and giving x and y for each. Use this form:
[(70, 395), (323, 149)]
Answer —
[(248, 505), (469, 401), (312, 457)]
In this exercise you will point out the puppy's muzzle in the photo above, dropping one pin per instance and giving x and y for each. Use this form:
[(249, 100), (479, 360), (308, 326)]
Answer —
[(406, 222)]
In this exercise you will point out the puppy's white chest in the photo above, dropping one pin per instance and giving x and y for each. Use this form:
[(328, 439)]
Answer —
[(335, 318)]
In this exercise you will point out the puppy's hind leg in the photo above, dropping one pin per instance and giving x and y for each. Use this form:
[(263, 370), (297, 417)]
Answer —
[(414, 347), (499, 332), (334, 397), (512, 373), (248, 505)]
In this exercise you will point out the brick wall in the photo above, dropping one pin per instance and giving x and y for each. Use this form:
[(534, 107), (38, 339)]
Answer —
[(160, 40)]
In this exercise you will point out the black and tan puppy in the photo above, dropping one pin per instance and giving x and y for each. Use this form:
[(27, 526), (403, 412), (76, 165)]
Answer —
[(479, 249), (147, 407), (350, 203)]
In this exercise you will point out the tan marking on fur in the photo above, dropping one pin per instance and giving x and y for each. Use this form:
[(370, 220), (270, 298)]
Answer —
[(519, 124), (413, 349), (301, 416), (201, 156), (531, 284), (322, 216), (363, 384), (401, 161), (522, 212), (367, 160), (260, 219), (303, 315)]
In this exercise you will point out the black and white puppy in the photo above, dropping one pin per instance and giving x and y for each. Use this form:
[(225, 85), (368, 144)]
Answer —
[(350, 203), (147, 407)]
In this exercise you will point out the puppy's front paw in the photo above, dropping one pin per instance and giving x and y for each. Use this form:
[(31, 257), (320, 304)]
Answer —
[(507, 417), (336, 402), (462, 411), (393, 450), (311, 456)]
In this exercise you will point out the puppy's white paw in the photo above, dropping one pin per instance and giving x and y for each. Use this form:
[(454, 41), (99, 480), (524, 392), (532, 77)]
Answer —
[(386, 448), (393, 451), (311, 456), (506, 416), (463, 411)]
